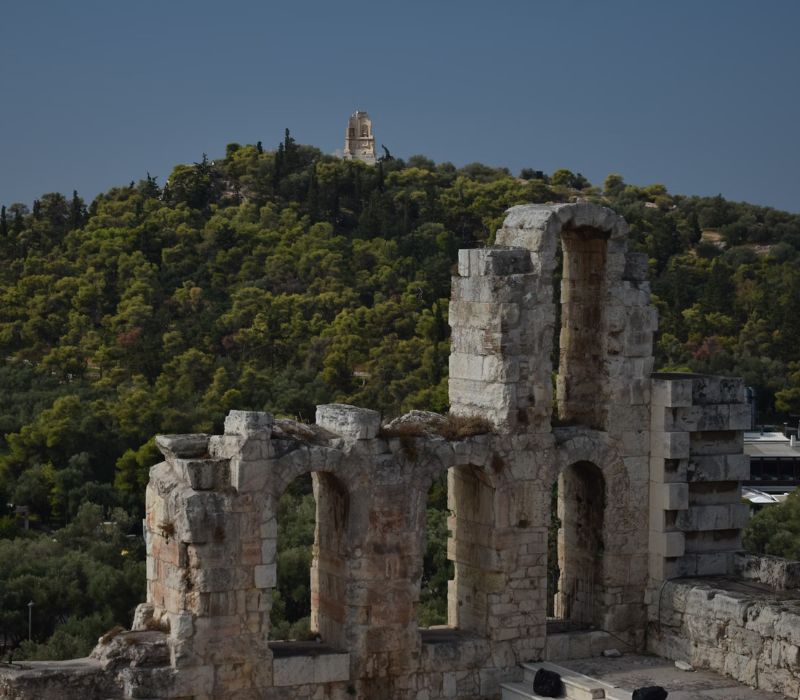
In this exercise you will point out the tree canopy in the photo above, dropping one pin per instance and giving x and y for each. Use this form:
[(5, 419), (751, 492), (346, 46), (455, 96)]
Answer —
[(280, 279)]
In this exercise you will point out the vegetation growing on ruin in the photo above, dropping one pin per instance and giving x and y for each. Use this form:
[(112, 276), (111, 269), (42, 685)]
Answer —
[(279, 279)]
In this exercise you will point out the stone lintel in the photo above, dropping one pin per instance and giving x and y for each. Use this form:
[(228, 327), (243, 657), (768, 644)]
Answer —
[(182, 446), (249, 424), (349, 421)]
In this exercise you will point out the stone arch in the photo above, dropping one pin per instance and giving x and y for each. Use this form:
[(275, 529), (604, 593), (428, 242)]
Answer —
[(329, 575), (472, 502), (592, 308), (578, 445), (581, 511), (478, 479), (593, 508)]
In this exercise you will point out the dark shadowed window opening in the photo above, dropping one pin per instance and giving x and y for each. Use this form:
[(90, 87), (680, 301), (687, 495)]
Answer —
[(575, 582)]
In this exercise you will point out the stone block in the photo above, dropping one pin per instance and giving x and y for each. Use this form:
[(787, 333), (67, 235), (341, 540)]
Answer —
[(527, 226), (349, 421), (668, 470), (463, 366), (669, 496), (668, 544), (713, 517), (513, 289), (670, 445), (142, 616), (671, 393), (265, 576), (204, 474), (717, 390), (248, 476), (740, 417), (249, 424), (304, 669), (703, 418), (636, 442), (494, 317), (463, 262), (498, 260), (181, 625), (182, 446), (719, 468), (712, 564)]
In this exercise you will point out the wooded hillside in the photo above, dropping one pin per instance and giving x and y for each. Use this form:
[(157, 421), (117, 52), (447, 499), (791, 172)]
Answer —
[(279, 279)]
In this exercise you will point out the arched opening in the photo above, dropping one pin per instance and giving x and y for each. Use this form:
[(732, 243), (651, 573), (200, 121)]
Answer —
[(580, 385), (309, 597), (351, 132), (328, 566), (575, 584), (471, 501), (364, 130), (437, 568)]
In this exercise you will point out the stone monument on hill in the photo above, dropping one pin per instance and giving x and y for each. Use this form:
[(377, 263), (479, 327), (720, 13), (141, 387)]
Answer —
[(359, 141)]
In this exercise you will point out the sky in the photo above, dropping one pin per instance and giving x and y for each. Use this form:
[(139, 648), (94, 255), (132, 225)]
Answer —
[(702, 96)]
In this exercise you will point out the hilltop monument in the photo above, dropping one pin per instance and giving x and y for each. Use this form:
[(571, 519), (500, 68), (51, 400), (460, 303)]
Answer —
[(359, 141)]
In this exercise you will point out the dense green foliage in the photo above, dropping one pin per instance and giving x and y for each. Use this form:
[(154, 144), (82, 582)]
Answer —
[(775, 529), (82, 579), (277, 280)]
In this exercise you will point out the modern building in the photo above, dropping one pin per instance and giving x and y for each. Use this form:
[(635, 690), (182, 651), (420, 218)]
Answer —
[(774, 462), (359, 141)]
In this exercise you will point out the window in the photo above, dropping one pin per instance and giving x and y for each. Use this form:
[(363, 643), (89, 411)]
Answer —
[(575, 585), (309, 598)]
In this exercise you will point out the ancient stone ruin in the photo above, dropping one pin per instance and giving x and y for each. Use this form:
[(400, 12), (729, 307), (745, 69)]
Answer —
[(647, 468)]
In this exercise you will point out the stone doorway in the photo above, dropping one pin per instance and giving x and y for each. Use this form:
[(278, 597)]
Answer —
[(575, 585)]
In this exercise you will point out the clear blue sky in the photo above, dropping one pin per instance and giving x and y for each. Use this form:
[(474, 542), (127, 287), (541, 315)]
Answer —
[(701, 95)]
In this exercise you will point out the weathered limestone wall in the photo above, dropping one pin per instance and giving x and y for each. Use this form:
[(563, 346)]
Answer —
[(696, 468), (777, 573), (581, 507), (750, 634), (212, 546)]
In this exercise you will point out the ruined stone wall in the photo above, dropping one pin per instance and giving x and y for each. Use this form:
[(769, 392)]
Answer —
[(749, 633), (211, 524), (696, 468)]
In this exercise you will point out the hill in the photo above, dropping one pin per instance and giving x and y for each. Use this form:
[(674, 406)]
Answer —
[(279, 279)]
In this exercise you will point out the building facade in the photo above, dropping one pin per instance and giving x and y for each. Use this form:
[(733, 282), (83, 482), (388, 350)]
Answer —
[(359, 141)]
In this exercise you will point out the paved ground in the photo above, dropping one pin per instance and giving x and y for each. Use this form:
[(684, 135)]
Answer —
[(632, 671)]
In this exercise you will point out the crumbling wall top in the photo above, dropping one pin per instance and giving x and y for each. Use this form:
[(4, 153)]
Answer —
[(536, 226)]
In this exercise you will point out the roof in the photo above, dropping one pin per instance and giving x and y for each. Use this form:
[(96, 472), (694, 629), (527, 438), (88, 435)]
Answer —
[(770, 445), (761, 497), (771, 450)]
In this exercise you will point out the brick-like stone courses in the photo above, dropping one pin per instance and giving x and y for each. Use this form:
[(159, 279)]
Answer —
[(696, 466), (211, 563), (750, 634), (503, 316)]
